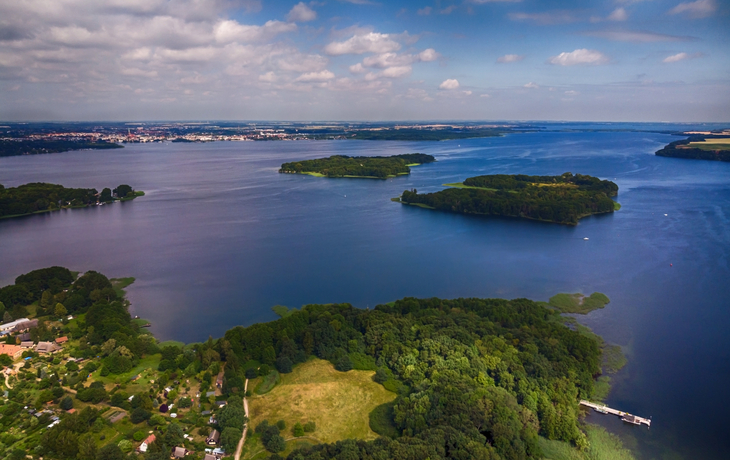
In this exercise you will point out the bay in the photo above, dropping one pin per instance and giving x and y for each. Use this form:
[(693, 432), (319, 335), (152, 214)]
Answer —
[(221, 237)]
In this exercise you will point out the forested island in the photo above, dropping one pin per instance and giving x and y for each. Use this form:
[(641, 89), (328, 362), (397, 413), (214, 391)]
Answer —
[(467, 378), (40, 197), (560, 199), (698, 147), (364, 167), (14, 147)]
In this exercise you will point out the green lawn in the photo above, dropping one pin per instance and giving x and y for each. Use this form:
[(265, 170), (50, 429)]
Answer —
[(578, 303), (338, 402)]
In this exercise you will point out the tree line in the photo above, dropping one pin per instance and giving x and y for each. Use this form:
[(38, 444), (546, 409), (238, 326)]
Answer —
[(33, 147), (560, 199), (343, 165), (678, 149), (40, 197)]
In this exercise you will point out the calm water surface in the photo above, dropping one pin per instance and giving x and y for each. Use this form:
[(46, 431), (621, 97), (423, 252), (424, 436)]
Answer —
[(221, 237)]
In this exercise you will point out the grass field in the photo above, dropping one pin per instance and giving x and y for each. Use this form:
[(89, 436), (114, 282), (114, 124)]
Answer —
[(338, 402), (711, 144)]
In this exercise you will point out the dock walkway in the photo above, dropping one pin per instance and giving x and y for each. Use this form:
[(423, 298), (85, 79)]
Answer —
[(625, 416)]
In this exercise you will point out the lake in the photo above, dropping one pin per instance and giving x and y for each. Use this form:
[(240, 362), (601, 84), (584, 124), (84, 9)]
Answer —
[(221, 237)]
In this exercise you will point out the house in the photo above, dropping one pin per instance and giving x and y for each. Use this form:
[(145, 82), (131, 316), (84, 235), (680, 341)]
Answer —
[(146, 443), (61, 340), (28, 344), (7, 327), (179, 452), (13, 351), (213, 438), (23, 326), (47, 347), (24, 337), (219, 380), (220, 403)]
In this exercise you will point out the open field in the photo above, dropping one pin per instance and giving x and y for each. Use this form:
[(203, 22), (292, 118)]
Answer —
[(338, 402)]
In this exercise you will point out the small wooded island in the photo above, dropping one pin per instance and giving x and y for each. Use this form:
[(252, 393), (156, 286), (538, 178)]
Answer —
[(363, 167), (560, 199), (698, 147), (40, 197)]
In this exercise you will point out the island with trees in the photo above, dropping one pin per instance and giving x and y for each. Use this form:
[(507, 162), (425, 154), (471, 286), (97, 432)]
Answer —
[(699, 147), (13, 147), (361, 167), (411, 379), (560, 199), (39, 197)]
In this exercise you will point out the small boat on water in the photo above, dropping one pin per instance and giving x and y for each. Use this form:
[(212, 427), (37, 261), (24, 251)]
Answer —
[(586, 238), (628, 418)]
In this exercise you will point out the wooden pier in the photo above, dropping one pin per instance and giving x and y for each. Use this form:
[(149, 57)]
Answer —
[(625, 416)]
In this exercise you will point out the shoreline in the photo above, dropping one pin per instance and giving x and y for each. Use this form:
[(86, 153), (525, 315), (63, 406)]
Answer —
[(138, 193)]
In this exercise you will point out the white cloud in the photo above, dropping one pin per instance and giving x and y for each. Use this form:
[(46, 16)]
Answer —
[(697, 9), (393, 59), (371, 42), (357, 68), (571, 93), (680, 57), (231, 31), (268, 77), (450, 83), (301, 13), (619, 14), (636, 36), (507, 58), (676, 57), (397, 72), (578, 57), (424, 11), (484, 95), (531, 85), (323, 75)]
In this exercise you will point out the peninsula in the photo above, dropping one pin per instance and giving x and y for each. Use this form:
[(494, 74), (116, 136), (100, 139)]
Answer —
[(39, 197), (699, 147), (490, 378), (13, 147), (560, 199), (363, 167)]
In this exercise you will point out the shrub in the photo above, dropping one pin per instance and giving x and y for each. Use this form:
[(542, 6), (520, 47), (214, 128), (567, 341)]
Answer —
[(309, 427), (125, 446), (184, 403), (298, 430), (284, 365), (139, 415), (163, 408), (67, 403), (344, 364), (139, 435), (251, 373), (281, 425)]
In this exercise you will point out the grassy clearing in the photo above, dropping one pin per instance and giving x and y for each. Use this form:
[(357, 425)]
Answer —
[(616, 206), (171, 343), (338, 402), (603, 446), (461, 185), (578, 303), (120, 283), (144, 369), (283, 311)]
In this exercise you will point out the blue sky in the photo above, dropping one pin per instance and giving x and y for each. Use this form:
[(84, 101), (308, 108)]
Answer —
[(612, 60)]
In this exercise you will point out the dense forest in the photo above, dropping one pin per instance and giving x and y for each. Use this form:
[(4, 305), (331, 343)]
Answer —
[(423, 134), (345, 166), (561, 199), (32, 147), (476, 378), (681, 149), (41, 197)]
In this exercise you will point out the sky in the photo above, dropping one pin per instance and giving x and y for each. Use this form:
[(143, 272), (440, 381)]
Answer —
[(365, 60)]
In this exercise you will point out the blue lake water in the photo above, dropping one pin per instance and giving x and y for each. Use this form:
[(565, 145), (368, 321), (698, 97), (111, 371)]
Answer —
[(221, 237)]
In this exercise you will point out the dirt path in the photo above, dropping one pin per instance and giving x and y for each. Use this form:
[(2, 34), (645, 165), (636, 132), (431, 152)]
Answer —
[(239, 448)]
